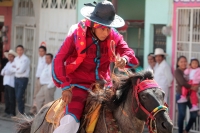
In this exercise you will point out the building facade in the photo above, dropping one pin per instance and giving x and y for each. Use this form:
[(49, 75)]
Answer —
[(41, 22), (186, 39)]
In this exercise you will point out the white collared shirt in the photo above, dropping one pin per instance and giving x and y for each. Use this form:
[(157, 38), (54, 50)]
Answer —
[(149, 68), (40, 66), (163, 75), (46, 78), (22, 66), (8, 74)]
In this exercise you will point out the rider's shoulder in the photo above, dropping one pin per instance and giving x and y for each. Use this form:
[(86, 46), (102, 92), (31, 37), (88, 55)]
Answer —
[(72, 29)]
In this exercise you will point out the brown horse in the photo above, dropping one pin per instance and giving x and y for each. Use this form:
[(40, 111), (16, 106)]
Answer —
[(136, 101)]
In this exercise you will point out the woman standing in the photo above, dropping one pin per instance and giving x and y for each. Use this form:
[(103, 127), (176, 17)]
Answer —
[(182, 82)]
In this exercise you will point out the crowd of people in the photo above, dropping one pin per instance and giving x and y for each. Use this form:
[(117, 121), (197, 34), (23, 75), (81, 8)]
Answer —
[(15, 80), (187, 77)]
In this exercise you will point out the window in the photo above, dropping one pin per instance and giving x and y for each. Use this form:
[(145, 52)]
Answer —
[(44, 4), (188, 34), (19, 35), (25, 8), (59, 4), (54, 4), (159, 38)]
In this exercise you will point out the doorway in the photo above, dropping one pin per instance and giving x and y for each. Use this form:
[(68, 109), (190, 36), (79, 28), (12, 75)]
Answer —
[(2, 64)]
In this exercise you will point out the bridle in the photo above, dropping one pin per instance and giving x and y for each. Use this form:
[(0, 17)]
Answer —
[(151, 120)]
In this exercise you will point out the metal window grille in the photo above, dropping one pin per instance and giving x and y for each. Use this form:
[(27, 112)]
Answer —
[(159, 38), (188, 44), (54, 4), (59, 4), (45, 4), (25, 8)]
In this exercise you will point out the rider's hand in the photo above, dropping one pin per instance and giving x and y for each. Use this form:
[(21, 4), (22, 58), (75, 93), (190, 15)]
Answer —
[(67, 95), (121, 62)]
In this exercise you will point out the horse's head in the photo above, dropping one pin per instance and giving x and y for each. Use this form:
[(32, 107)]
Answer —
[(141, 97)]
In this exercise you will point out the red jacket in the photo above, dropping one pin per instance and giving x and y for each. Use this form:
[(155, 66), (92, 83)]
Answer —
[(95, 66)]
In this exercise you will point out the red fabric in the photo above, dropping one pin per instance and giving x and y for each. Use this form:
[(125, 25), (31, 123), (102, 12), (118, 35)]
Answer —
[(194, 98), (146, 84), (184, 92), (77, 104), (193, 94), (85, 73), (80, 42)]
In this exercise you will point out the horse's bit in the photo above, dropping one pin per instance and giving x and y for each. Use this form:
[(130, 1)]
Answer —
[(151, 120)]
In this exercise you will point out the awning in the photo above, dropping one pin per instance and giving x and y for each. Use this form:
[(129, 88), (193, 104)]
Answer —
[(6, 3)]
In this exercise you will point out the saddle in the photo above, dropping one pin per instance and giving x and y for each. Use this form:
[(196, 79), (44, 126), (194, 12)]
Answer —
[(56, 112), (95, 106)]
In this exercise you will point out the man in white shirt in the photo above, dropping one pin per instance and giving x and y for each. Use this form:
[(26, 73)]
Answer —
[(8, 74), (162, 72), (22, 69), (40, 67), (46, 92)]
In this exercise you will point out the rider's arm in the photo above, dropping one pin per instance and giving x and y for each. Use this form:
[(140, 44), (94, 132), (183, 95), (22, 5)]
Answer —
[(126, 52), (58, 65)]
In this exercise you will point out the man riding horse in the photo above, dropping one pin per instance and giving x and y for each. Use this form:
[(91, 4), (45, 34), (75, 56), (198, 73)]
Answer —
[(85, 57)]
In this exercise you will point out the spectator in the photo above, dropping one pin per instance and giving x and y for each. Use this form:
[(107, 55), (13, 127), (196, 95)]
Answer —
[(2, 65), (46, 92), (151, 61), (194, 78), (182, 82), (162, 72), (22, 69), (8, 74), (40, 68)]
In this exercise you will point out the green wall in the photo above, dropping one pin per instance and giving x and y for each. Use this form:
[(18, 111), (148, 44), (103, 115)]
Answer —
[(133, 10), (156, 12)]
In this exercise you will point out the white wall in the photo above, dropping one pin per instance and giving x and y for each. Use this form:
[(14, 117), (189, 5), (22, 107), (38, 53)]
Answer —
[(28, 23)]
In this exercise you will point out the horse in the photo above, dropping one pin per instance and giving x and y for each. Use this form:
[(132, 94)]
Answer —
[(136, 100)]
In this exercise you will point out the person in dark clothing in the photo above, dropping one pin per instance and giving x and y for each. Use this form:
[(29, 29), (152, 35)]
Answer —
[(182, 82), (3, 62), (8, 82)]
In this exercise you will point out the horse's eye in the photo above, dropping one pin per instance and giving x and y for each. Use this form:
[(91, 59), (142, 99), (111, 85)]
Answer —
[(143, 97)]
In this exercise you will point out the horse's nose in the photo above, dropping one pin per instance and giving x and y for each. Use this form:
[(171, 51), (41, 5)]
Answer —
[(167, 126)]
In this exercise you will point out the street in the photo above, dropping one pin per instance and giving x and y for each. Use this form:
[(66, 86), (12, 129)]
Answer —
[(7, 126)]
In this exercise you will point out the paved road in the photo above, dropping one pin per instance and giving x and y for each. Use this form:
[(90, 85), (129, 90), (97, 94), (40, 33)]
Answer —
[(7, 126)]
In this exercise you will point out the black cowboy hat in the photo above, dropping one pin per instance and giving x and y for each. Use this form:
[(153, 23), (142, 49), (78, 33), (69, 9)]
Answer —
[(102, 13)]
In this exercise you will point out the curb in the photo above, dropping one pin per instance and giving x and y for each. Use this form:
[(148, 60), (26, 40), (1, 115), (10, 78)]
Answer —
[(6, 119)]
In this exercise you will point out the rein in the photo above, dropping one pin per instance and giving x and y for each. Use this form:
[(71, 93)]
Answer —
[(151, 120), (117, 57)]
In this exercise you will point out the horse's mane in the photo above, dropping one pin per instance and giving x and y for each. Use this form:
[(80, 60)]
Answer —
[(126, 85), (121, 84)]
